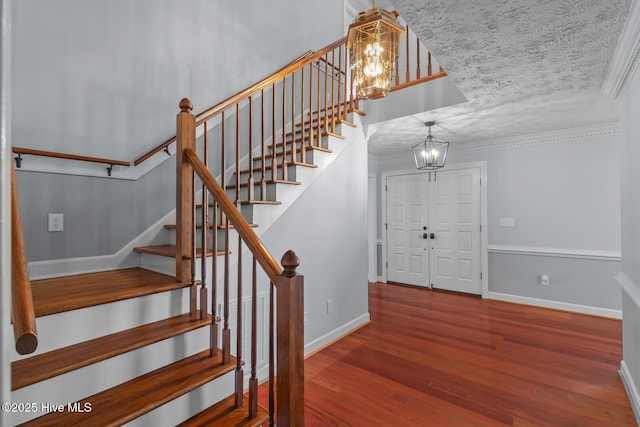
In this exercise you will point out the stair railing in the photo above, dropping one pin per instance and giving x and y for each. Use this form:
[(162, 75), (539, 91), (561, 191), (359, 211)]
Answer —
[(288, 285), (22, 311)]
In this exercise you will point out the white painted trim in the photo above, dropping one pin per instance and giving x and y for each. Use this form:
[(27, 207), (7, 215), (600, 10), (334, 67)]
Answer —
[(597, 255), (631, 389), (484, 292), (557, 305), (630, 287), (70, 266), (334, 335), (626, 57)]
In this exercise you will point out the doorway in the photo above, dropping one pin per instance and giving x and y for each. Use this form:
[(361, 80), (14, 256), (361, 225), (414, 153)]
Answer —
[(433, 231)]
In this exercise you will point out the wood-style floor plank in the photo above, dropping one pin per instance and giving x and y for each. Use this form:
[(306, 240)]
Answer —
[(125, 402), (432, 358), (85, 290), (31, 370)]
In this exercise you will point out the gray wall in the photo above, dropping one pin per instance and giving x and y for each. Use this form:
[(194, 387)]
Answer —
[(327, 228), (562, 198), (631, 230), (104, 79)]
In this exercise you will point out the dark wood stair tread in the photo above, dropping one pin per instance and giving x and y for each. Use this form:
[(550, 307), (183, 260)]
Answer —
[(270, 181), (290, 151), (199, 227), (170, 251), (57, 362), (224, 414), (259, 169), (127, 401), (85, 290)]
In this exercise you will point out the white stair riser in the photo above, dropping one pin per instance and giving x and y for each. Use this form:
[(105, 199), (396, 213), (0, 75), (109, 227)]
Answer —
[(92, 379), (64, 329)]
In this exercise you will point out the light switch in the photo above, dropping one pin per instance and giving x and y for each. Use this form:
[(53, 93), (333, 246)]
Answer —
[(507, 222)]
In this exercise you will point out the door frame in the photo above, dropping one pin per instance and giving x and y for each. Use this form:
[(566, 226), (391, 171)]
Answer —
[(483, 215)]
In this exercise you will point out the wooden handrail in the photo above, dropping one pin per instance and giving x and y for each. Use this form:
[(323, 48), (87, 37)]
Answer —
[(264, 258), (23, 313), (30, 151), (171, 140)]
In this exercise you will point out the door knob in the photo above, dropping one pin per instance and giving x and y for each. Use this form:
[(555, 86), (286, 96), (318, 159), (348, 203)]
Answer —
[(425, 235), (432, 235)]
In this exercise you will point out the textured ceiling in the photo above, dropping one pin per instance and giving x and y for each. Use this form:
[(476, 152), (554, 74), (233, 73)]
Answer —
[(526, 66)]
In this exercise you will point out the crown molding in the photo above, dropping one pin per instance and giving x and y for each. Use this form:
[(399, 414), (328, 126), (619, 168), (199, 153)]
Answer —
[(626, 57), (562, 135)]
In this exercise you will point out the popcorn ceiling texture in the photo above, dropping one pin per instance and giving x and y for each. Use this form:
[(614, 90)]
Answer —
[(526, 66)]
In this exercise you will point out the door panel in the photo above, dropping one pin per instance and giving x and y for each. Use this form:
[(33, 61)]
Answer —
[(407, 215), (456, 249)]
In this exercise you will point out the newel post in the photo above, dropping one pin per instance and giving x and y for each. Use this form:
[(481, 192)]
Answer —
[(185, 138), (290, 344)]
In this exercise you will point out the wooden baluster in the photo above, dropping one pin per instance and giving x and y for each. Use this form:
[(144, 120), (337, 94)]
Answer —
[(284, 125), (274, 163), (185, 138), (326, 94), (272, 365), (293, 120), (253, 381), (226, 332), (418, 55), (251, 180), (193, 306), (333, 91), (263, 143), (204, 233), (311, 130), (429, 64), (223, 162), (339, 76), (238, 156), (317, 124), (239, 371), (290, 341), (214, 282), (346, 83), (407, 74), (302, 127)]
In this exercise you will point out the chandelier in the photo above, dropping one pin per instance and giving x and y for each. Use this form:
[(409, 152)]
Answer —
[(373, 41), (432, 152)]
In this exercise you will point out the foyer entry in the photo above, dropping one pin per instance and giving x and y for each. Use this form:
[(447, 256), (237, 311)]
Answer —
[(433, 229)]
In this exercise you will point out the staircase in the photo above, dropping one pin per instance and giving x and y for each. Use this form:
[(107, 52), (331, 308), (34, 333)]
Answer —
[(185, 338)]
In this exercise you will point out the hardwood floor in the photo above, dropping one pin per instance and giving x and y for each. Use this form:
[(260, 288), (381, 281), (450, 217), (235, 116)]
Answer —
[(431, 358)]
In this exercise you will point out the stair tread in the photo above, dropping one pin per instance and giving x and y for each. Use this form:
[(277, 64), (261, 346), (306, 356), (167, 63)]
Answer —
[(271, 181), (57, 362), (85, 290), (290, 151), (224, 414), (129, 400), (170, 251), (259, 169), (199, 227)]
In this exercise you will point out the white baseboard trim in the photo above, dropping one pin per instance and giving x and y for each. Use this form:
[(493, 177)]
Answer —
[(71, 266), (631, 389), (557, 305), (333, 336)]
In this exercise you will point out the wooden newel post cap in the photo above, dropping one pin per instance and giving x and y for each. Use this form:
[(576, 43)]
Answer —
[(186, 105), (290, 262)]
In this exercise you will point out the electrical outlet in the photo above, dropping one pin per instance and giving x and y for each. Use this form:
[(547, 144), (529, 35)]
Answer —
[(329, 306), (56, 222), (507, 222), (544, 280)]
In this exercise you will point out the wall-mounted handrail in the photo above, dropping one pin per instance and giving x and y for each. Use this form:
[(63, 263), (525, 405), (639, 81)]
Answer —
[(32, 152), (22, 311)]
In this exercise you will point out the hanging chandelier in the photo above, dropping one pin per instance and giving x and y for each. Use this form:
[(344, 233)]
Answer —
[(432, 152), (373, 41)]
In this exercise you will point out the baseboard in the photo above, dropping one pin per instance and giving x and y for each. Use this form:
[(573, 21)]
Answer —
[(557, 305), (333, 336), (72, 266), (631, 389)]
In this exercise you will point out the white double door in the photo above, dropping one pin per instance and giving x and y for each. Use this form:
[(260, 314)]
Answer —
[(433, 226)]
